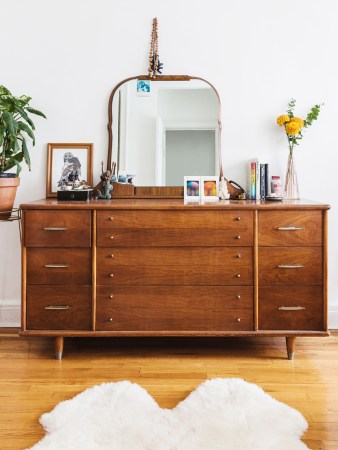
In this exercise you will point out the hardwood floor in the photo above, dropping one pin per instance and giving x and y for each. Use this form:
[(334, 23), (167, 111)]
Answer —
[(32, 382)]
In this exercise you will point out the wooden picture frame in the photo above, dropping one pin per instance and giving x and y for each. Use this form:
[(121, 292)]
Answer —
[(63, 157)]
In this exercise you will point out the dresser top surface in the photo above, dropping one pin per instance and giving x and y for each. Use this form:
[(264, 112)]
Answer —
[(175, 204)]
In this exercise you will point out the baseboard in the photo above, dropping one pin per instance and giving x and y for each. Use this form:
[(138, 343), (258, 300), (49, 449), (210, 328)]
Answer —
[(333, 317), (10, 315)]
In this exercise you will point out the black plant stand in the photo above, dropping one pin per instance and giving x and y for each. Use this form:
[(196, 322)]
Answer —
[(15, 215)]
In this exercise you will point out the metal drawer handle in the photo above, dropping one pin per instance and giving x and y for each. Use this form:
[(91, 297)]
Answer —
[(290, 228), (285, 266), (57, 266), (237, 219), (55, 228), (238, 237), (57, 307), (291, 308), (110, 319), (111, 218), (238, 275), (238, 297), (111, 275), (238, 319), (111, 237)]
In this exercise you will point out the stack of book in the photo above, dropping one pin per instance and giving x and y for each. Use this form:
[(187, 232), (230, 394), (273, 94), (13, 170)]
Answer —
[(257, 186)]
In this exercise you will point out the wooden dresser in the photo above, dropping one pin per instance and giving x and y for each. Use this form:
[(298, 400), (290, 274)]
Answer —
[(159, 267)]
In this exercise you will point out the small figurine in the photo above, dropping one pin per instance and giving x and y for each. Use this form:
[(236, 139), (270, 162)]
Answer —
[(107, 187)]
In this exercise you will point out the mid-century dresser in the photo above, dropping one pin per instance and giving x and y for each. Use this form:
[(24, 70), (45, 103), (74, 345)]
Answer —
[(160, 267)]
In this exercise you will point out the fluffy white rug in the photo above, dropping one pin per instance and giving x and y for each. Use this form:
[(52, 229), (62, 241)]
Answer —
[(221, 414)]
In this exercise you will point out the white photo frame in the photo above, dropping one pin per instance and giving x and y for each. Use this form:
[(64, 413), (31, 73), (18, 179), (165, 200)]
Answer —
[(209, 188), (192, 188)]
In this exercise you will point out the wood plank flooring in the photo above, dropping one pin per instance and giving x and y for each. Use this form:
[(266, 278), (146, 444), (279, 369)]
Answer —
[(32, 382)]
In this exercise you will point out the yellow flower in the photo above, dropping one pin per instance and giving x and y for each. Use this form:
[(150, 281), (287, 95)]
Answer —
[(298, 120), (292, 128), (281, 120)]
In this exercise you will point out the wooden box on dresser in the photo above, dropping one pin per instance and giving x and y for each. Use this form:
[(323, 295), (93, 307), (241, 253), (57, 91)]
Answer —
[(159, 267)]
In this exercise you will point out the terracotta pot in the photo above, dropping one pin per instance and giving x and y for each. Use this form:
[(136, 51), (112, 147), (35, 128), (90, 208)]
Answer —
[(8, 188)]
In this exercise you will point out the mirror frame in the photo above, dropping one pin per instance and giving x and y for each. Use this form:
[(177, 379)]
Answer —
[(125, 191)]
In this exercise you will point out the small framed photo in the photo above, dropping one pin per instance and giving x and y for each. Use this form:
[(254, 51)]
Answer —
[(192, 188), (143, 88), (209, 188), (63, 160)]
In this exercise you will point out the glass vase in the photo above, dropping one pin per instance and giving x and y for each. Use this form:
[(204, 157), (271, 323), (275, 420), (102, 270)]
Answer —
[(291, 190)]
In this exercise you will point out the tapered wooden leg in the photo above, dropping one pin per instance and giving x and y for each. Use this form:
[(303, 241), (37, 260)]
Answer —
[(58, 347), (290, 346)]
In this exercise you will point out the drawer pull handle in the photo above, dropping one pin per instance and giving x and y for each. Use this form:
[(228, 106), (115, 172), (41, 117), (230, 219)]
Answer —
[(111, 296), (57, 266), (111, 237), (112, 256), (291, 308), (110, 319), (59, 307), (111, 218), (111, 275), (237, 219), (238, 256), (238, 237), (238, 319), (290, 228), (55, 228), (238, 275), (238, 297), (285, 266)]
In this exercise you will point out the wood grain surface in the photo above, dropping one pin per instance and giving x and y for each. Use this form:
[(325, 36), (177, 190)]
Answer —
[(33, 383)]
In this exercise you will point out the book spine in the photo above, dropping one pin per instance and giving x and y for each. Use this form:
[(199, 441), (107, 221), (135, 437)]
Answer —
[(258, 181), (262, 180), (253, 180), (267, 181)]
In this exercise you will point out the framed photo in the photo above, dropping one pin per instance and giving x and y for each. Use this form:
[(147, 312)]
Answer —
[(143, 88), (209, 188), (62, 159), (192, 188)]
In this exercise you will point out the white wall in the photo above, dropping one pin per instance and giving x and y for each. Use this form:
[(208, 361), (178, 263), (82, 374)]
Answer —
[(68, 55)]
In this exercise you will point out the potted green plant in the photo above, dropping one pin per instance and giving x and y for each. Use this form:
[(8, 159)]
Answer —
[(15, 126)]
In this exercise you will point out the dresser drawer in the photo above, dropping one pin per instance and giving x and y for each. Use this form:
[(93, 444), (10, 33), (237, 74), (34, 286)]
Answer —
[(169, 228), (180, 308), (291, 308), (290, 266), (140, 219), (171, 238), (58, 266), (290, 228), (177, 266), (58, 307), (57, 228)]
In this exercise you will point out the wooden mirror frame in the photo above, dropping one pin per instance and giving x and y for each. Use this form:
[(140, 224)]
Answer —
[(128, 190)]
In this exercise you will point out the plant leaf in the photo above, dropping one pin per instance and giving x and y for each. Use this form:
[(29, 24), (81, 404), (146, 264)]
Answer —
[(10, 122), (36, 111), (26, 153), (23, 127)]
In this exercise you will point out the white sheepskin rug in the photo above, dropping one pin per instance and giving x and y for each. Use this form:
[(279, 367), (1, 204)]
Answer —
[(221, 414)]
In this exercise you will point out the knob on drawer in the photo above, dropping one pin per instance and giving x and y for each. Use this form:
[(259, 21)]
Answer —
[(110, 319), (238, 319), (111, 296), (238, 297), (238, 237), (111, 275), (238, 275), (111, 218), (237, 219), (111, 237), (239, 256)]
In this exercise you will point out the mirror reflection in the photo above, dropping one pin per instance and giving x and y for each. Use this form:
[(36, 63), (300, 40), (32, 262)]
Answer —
[(164, 130)]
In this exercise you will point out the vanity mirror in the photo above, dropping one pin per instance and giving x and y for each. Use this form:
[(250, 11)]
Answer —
[(163, 128)]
